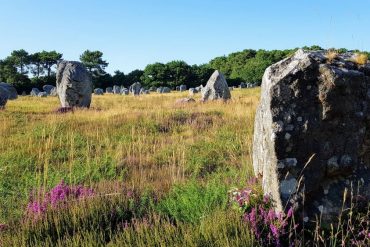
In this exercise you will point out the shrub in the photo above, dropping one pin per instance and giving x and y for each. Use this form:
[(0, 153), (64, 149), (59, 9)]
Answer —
[(331, 55), (360, 58)]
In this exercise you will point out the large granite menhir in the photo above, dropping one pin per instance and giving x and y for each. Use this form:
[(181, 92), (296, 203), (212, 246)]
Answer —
[(312, 133), (216, 88), (74, 84)]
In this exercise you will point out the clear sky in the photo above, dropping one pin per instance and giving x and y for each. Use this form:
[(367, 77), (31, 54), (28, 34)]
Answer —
[(132, 34)]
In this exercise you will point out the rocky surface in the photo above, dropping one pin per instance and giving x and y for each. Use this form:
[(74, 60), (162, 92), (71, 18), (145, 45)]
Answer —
[(74, 84), (116, 89), (34, 92), (42, 94), (48, 89), (192, 91), (312, 133), (13, 94), (182, 88), (98, 91), (135, 88), (4, 95), (216, 88)]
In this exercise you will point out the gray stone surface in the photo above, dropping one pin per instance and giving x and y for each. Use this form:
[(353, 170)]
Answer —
[(98, 91), (192, 91), (48, 89), (135, 88), (312, 133), (11, 90), (216, 88), (74, 84), (182, 88), (34, 92), (116, 89), (109, 90), (4, 95), (42, 94), (125, 91)]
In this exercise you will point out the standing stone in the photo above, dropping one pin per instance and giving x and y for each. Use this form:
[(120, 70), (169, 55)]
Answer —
[(34, 92), (116, 89), (48, 88), (135, 88), (312, 133), (74, 84), (159, 90), (216, 88), (4, 95), (53, 92), (243, 85), (42, 94), (13, 94), (125, 91), (165, 90), (152, 89), (109, 90), (98, 91), (182, 88), (192, 91)]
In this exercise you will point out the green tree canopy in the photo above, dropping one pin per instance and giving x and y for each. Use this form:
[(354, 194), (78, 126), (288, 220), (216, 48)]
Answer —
[(93, 60)]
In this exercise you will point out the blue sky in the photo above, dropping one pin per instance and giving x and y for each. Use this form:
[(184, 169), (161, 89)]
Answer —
[(132, 34)]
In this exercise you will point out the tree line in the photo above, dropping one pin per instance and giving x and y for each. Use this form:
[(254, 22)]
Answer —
[(26, 71)]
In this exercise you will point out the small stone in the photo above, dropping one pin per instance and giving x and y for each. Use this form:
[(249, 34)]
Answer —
[(287, 136), (345, 160), (289, 127), (287, 187)]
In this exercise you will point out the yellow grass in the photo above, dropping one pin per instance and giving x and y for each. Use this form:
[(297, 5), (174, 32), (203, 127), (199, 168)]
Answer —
[(360, 58)]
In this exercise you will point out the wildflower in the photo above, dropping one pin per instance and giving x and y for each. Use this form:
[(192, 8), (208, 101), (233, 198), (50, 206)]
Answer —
[(57, 197)]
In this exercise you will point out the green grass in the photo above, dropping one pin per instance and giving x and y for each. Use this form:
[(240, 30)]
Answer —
[(179, 161)]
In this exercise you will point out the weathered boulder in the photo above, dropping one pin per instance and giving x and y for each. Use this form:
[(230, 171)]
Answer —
[(42, 94), (13, 94), (312, 133), (53, 92), (166, 90), (74, 84), (182, 88), (48, 88), (152, 89), (109, 90), (135, 88), (216, 88), (98, 91), (34, 92), (116, 89), (125, 91), (192, 91), (4, 95)]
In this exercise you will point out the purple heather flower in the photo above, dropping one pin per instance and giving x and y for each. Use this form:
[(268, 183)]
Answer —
[(57, 197)]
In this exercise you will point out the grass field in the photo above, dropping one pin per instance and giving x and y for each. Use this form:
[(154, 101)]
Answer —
[(164, 165)]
